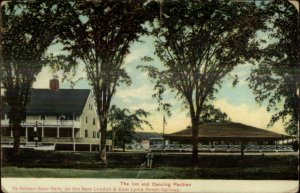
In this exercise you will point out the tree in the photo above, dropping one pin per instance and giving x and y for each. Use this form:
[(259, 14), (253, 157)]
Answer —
[(124, 123), (212, 115), (99, 34), (199, 42), (29, 29), (275, 78)]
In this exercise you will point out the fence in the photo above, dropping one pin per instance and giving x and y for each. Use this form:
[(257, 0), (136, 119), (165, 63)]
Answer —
[(222, 148)]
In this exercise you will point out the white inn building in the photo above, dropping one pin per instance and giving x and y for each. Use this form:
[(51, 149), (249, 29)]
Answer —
[(65, 119)]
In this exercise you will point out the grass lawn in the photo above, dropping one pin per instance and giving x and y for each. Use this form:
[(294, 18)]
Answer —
[(85, 173), (158, 173), (55, 164)]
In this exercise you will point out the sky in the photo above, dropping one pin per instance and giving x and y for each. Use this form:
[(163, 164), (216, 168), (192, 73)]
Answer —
[(238, 102)]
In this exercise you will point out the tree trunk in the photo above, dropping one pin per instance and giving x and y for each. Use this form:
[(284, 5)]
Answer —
[(195, 125), (113, 136), (103, 143), (16, 126)]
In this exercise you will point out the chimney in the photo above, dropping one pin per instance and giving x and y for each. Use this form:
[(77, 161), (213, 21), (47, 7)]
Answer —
[(54, 84)]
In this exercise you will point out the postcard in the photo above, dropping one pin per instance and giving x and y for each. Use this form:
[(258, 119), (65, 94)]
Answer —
[(149, 96)]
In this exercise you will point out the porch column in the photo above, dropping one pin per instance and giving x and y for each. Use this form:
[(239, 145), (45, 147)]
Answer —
[(42, 131), (26, 132), (57, 131), (90, 147), (11, 132), (73, 139)]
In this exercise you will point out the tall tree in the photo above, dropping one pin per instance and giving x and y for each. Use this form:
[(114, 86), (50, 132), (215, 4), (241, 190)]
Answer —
[(99, 34), (199, 42), (124, 123), (275, 78), (28, 30)]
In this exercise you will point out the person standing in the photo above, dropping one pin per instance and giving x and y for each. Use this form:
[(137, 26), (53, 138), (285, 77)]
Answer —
[(149, 157)]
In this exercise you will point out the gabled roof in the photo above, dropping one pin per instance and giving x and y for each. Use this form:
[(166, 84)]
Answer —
[(228, 130), (63, 101)]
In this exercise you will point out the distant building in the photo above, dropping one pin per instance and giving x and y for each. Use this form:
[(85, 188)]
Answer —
[(148, 139), (64, 118)]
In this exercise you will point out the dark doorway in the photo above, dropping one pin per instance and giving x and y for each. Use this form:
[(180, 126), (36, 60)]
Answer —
[(32, 134)]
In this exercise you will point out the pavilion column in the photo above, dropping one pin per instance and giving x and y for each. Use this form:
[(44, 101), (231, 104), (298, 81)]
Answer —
[(242, 148), (260, 146), (57, 131), (212, 145)]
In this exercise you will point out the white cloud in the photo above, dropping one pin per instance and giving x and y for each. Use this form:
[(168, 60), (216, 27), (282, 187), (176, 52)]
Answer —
[(43, 78), (250, 115), (136, 54), (145, 106), (142, 92)]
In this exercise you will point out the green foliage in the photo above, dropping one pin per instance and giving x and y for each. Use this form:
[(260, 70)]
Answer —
[(124, 123), (199, 42), (213, 115), (275, 78), (29, 30)]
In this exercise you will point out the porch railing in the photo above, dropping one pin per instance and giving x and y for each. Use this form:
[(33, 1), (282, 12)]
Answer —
[(45, 123), (222, 148)]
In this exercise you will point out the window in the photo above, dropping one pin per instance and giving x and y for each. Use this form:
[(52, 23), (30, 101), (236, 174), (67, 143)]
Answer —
[(42, 117), (94, 134), (94, 121), (98, 135), (86, 133), (86, 119)]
